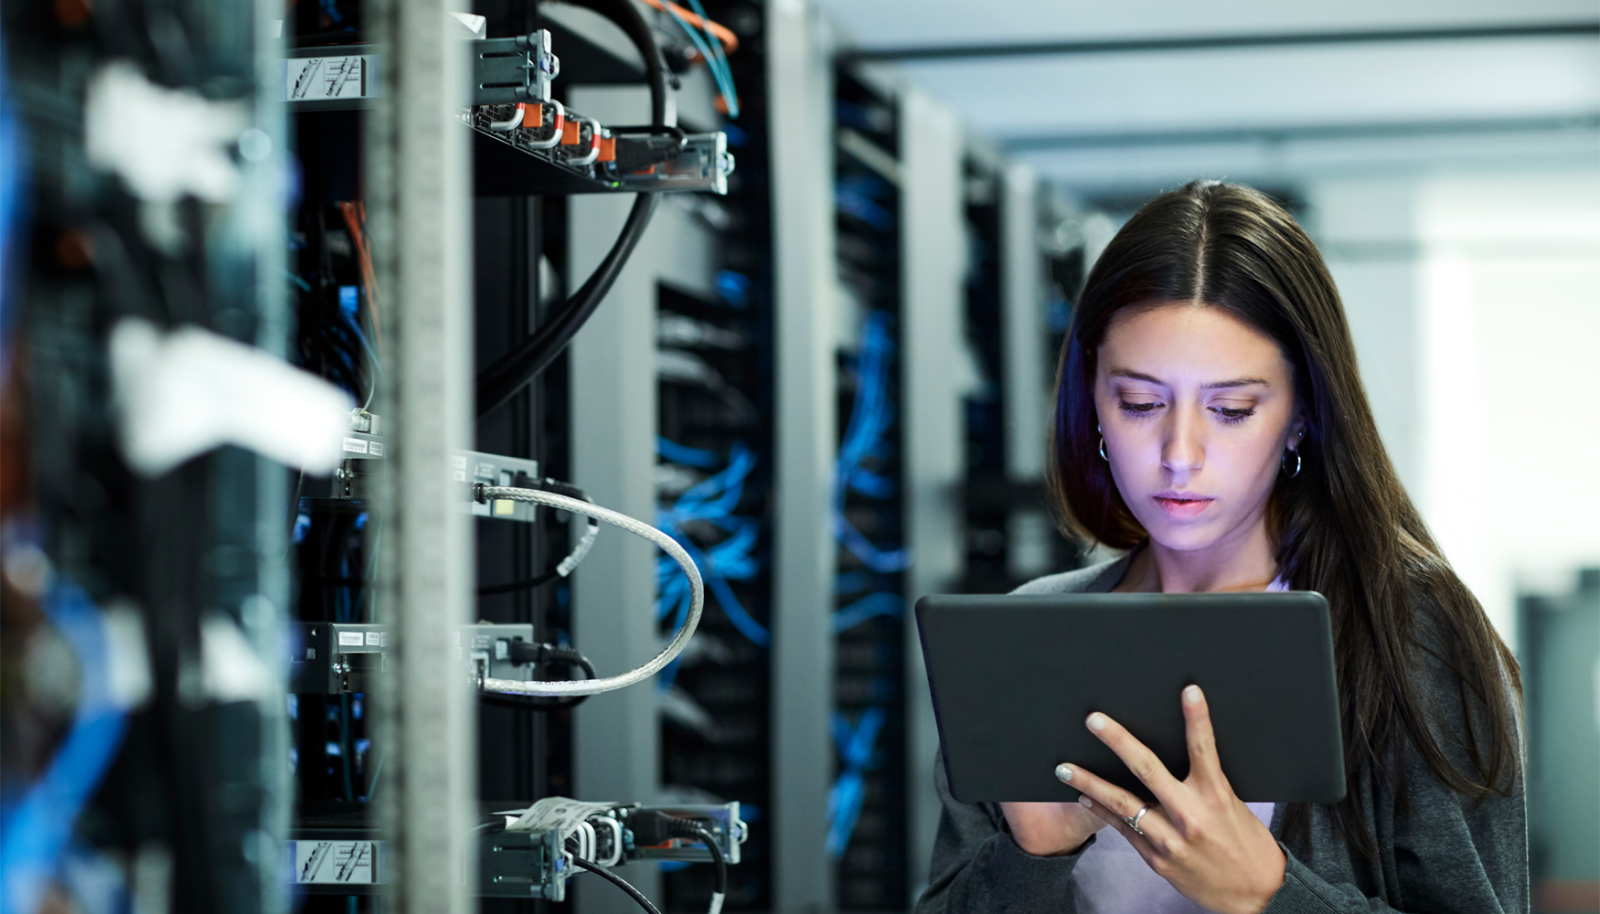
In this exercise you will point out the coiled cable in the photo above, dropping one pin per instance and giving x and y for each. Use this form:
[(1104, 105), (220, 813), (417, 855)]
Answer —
[(637, 528)]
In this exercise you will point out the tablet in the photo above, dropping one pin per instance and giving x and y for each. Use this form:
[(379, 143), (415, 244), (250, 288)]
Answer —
[(1014, 677)]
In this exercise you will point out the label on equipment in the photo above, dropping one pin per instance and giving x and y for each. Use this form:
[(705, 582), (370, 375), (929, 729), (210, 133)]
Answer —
[(376, 449), (374, 639), (355, 445), (334, 862), (351, 639), (316, 79)]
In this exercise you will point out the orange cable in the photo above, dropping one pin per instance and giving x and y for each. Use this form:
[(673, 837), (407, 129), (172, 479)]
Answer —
[(730, 41), (354, 215)]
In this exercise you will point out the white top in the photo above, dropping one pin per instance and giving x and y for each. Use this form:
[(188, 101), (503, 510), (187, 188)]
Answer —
[(1113, 879)]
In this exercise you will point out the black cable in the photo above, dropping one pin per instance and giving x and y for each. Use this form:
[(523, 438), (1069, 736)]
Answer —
[(720, 887), (652, 828), (500, 382), (617, 881), (514, 586)]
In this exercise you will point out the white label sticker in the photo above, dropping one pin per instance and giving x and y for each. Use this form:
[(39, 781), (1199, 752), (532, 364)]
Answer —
[(374, 639), (376, 449), (461, 475), (350, 639), (559, 814), (355, 445), (349, 862), (311, 79), (459, 462)]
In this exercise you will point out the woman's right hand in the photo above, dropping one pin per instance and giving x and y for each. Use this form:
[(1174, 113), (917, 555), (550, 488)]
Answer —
[(1050, 829)]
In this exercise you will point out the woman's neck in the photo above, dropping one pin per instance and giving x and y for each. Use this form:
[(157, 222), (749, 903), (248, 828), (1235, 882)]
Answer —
[(1240, 563)]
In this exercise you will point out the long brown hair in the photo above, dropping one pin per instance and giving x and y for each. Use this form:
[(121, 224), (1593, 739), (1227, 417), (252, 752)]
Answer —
[(1343, 526)]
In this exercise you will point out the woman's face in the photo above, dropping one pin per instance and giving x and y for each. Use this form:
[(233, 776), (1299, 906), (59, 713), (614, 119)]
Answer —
[(1196, 408)]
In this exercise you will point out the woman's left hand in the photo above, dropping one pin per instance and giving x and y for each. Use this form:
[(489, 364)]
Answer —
[(1200, 837)]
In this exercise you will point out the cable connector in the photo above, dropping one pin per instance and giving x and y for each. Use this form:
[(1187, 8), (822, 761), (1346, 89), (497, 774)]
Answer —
[(651, 828), (540, 652)]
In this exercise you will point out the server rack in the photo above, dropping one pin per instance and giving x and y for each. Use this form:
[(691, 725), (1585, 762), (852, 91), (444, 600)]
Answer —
[(1014, 307), (867, 804), (714, 488), (527, 249), (987, 442), (120, 560)]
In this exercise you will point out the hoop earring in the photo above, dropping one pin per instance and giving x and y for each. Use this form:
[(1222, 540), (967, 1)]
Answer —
[(1103, 451), (1284, 465)]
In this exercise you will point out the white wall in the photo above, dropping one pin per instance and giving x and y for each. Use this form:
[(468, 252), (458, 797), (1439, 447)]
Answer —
[(1475, 303)]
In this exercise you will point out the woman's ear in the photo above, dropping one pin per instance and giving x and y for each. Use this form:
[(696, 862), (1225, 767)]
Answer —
[(1297, 429)]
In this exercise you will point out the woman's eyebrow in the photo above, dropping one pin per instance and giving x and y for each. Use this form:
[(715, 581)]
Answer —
[(1136, 376), (1215, 385), (1237, 382)]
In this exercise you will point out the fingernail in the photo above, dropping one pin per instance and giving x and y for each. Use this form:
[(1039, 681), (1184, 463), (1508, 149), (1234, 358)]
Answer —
[(1097, 721), (1064, 771), (1084, 799), (1192, 695)]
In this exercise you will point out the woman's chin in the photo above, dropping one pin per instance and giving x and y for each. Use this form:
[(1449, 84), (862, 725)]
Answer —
[(1180, 537)]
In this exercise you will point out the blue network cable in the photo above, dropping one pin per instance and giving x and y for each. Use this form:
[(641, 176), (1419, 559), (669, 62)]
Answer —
[(857, 744), (882, 603), (13, 161), (870, 418), (37, 830), (862, 196), (689, 456), (713, 501)]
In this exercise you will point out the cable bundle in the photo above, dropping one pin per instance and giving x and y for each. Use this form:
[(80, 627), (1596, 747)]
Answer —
[(731, 559), (870, 418), (710, 47)]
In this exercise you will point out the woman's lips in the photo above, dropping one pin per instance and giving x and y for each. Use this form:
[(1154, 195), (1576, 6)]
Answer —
[(1183, 507)]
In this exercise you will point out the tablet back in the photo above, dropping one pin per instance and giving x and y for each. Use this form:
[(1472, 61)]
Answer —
[(1014, 677)]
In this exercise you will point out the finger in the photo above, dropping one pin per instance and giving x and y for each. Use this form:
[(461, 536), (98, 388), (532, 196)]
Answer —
[(1203, 761), (1140, 843), (1107, 800), (1139, 759)]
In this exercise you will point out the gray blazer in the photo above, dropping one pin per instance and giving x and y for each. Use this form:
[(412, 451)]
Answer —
[(1437, 851)]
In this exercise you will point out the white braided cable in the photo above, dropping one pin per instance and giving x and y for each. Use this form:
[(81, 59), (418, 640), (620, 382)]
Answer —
[(697, 597), (590, 531)]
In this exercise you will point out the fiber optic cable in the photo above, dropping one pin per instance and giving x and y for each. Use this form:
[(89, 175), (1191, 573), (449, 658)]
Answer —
[(730, 97)]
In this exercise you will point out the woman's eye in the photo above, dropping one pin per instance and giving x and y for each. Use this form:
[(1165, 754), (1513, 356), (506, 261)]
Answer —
[(1139, 407), (1230, 414)]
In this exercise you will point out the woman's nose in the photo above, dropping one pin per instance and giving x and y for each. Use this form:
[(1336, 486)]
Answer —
[(1183, 451)]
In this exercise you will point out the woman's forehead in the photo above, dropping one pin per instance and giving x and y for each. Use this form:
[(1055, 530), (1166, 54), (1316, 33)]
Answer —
[(1180, 341)]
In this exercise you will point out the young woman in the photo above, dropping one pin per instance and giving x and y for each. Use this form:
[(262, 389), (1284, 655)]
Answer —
[(1211, 420)]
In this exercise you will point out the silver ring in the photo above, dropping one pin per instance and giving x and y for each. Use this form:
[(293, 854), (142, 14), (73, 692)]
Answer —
[(1133, 820)]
